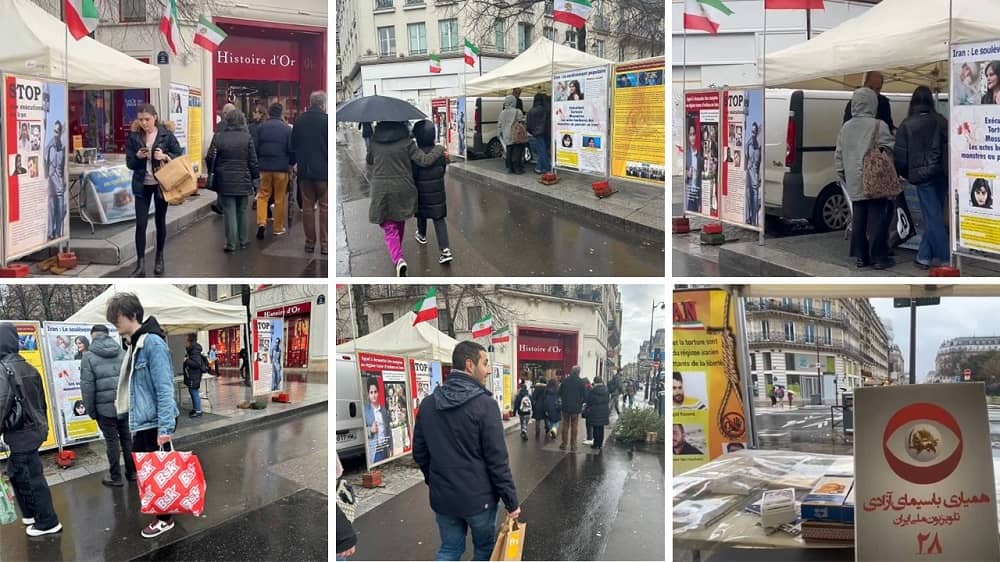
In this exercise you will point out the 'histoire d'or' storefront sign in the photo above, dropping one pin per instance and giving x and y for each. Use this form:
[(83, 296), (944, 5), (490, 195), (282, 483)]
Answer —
[(242, 58), (924, 482)]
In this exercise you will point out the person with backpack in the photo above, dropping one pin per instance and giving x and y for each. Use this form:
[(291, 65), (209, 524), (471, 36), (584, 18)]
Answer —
[(24, 427), (553, 409), (921, 156), (539, 123), (524, 408), (513, 135), (431, 196), (538, 405), (99, 371), (194, 365)]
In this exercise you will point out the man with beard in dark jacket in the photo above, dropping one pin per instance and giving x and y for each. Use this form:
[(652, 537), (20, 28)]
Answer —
[(572, 393), (99, 370), (145, 386), (24, 427), (459, 444), (309, 144)]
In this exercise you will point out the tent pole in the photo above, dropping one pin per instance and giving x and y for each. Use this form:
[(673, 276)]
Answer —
[(763, 114), (552, 99)]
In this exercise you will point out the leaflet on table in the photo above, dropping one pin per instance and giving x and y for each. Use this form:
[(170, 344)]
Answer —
[(700, 513), (580, 119)]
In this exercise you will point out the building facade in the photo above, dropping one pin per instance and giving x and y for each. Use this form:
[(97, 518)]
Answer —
[(951, 353), (275, 52), (552, 327), (383, 46), (815, 347), (897, 366), (303, 309)]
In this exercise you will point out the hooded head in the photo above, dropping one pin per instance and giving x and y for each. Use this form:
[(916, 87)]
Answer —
[(388, 132), (424, 133), (509, 102), (539, 100), (864, 103), (9, 342)]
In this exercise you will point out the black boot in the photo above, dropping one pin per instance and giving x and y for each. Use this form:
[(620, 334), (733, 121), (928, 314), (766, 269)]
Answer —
[(159, 267), (140, 268)]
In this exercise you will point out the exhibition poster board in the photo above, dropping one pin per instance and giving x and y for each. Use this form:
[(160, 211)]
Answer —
[(194, 136), (388, 426), (456, 127), (580, 119), (638, 122), (924, 484), (742, 137), (268, 334), (702, 110), (975, 149), (425, 377), (35, 167), (64, 346), (708, 413), (178, 114), (439, 115), (29, 335)]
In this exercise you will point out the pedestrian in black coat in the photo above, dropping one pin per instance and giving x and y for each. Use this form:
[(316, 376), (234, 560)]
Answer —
[(538, 405), (572, 394), (233, 161), (431, 196), (598, 410), (310, 139), (553, 412), (193, 369), (523, 399)]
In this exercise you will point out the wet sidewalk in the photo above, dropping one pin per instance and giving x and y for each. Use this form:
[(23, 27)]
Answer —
[(266, 499)]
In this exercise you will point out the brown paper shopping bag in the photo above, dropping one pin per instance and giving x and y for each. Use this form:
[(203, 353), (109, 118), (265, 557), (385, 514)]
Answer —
[(177, 180), (510, 541)]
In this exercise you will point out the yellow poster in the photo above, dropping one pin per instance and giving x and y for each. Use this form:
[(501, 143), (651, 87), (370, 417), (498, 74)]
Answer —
[(708, 415), (638, 126), (194, 129), (29, 334), (509, 390)]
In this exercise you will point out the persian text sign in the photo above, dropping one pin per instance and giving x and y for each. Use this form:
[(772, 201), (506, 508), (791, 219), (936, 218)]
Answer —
[(924, 475)]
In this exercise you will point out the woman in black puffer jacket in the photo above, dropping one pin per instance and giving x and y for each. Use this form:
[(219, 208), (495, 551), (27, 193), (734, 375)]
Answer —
[(232, 159)]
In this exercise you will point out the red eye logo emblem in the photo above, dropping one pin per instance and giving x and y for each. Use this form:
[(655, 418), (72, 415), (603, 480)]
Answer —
[(922, 443)]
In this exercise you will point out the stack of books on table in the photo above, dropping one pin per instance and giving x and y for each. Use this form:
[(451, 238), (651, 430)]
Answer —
[(828, 510)]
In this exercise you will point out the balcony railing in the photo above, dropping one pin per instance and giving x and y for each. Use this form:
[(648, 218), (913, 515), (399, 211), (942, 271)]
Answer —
[(779, 338), (388, 292), (588, 293), (797, 309), (383, 4)]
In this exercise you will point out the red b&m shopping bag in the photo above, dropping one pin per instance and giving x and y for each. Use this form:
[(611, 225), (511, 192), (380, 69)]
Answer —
[(170, 482)]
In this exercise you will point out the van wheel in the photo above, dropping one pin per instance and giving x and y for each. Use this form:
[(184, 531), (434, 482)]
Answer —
[(831, 211), (495, 149)]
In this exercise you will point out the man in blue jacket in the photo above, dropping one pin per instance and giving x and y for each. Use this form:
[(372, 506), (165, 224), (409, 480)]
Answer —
[(273, 142), (459, 444), (146, 386)]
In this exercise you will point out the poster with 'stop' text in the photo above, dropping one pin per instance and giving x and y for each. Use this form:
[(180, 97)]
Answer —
[(35, 147), (638, 121), (707, 408), (975, 147), (580, 119), (743, 144)]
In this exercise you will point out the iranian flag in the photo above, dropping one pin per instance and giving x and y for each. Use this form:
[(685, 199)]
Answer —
[(793, 4), (427, 308), (501, 336), (209, 36), (169, 25), (435, 64), (81, 17), (471, 53), (704, 15), (572, 12), (483, 327)]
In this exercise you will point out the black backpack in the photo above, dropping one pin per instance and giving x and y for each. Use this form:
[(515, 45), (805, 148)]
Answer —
[(18, 414), (204, 363)]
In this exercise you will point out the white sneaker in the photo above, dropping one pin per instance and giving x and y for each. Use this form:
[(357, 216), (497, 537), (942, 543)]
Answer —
[(157, 528), (588, 441), (28, 521), (401, 268), (33, 532), (421, 239), (446, 256)]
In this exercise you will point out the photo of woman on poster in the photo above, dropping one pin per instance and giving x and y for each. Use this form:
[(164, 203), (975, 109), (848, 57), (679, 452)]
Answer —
[(377, 421), (82, 345), (79, 410), (981, 194), (62, 351), (33, 167), (575, 93), (23, 139), (18, 168), (992, 95), (968, 84)]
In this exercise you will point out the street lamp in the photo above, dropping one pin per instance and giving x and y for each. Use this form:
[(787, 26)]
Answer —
[(656, 305)]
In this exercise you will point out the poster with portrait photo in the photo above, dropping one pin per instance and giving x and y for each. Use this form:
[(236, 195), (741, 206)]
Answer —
[(396, 400), (690, 440), (386, 415), (689, 390), (580, 117)]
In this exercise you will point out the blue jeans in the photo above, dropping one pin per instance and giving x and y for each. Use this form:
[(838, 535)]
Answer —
[(195, 399), (453, 529), (540, 150), (934, 243)]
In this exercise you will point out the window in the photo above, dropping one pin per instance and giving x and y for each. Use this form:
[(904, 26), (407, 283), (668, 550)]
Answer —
[(443, 321), (549, 33), (501, 35), (193, 290), (383, 4), (213, 293), (785, 301), (449, 35), (475, 313), (133, 11), (235, 290), (549, 7), (828, 335), (753, 362), (386, 41), (524, 31), (810, 333), (807, 306), (571, 37), (831, 365), (599, 48), (418, 38), (789, 331), (387, 318), (789, 361), (767, 361), (765, 327), (827, 308)]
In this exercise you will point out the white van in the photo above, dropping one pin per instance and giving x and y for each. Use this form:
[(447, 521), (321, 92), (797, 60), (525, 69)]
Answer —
[(350, 420), (482, 133), (801, 138)]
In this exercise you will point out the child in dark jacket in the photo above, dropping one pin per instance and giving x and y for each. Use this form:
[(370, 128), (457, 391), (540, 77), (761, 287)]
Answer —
[(431, 202)]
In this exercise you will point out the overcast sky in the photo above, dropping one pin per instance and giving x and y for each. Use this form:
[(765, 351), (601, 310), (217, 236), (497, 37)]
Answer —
[(637, 304), (954, 317)]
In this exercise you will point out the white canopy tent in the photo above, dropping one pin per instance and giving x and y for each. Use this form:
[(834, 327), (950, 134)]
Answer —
[(907, 40), (176, 311), (532, 70), (402, 338), (35, 43)]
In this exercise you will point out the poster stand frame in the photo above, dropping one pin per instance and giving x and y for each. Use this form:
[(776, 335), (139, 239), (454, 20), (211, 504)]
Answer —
[(57, 413), (608, 93), (409, 409), (47, 387), (612, 68)]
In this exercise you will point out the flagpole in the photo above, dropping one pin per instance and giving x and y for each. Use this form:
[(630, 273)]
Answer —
[(763, 114), (552, 103)]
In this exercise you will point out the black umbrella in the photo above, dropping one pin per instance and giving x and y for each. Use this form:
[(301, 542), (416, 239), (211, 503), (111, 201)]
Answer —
[(377, 108)]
